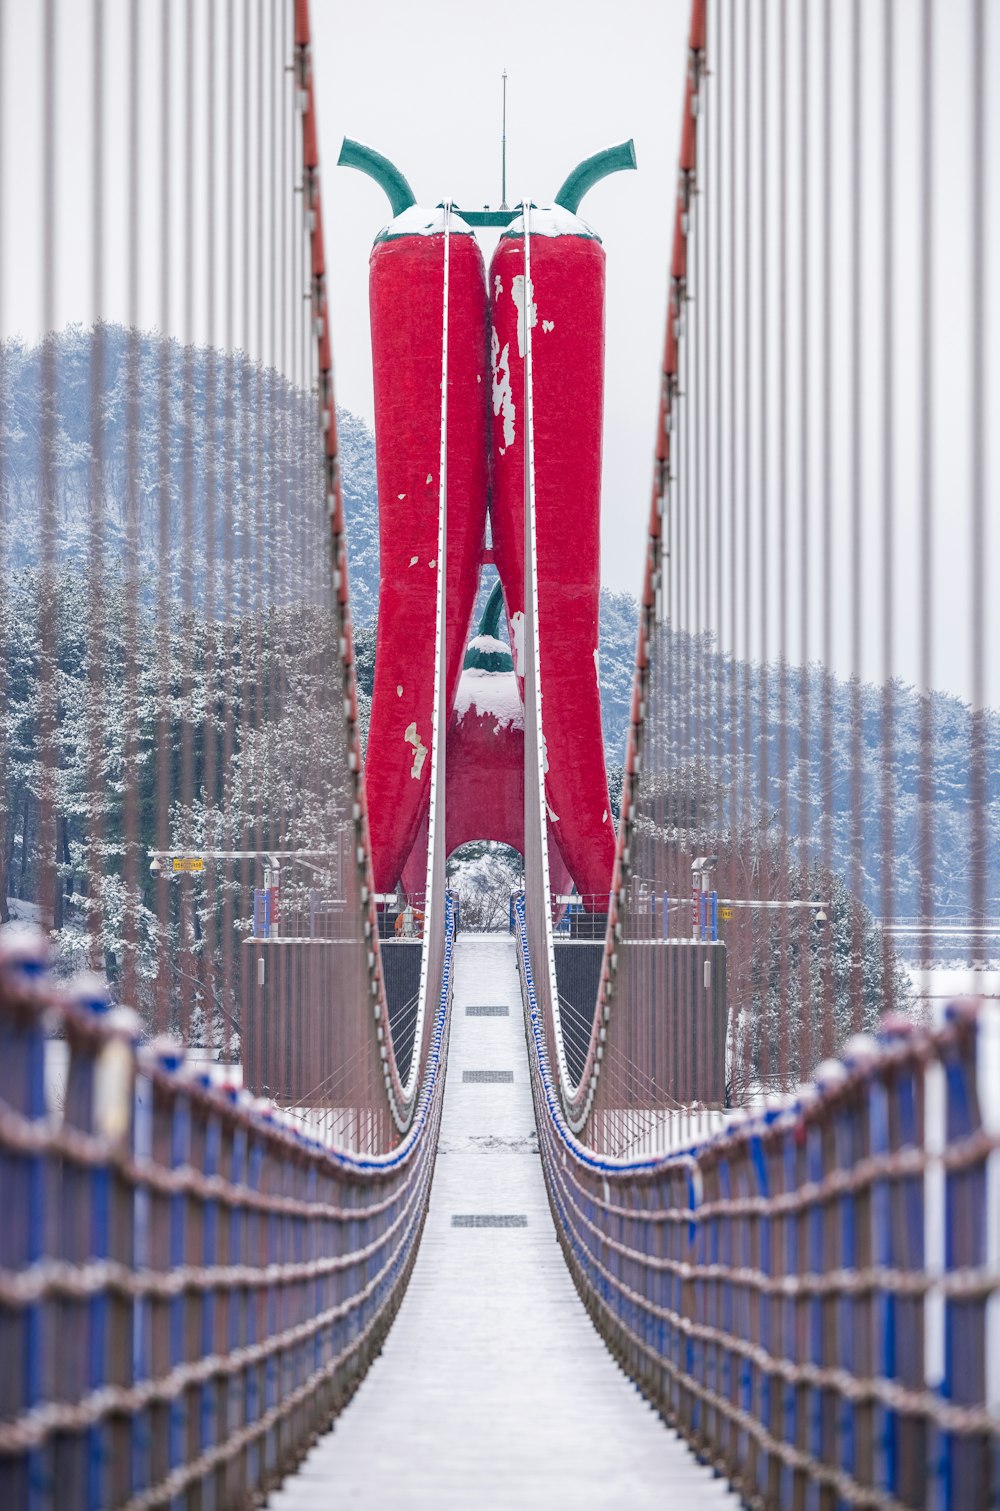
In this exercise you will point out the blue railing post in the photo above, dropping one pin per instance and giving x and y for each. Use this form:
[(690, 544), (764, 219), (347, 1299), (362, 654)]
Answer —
[(965, 1470), (760, 1173), (255, 1247), (142, 1322), (881, 1112), (790, 1257), (178, 1118), (26, 1179), (210, 1343)]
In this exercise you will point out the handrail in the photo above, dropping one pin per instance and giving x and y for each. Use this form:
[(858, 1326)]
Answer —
[(326, 1237), (709, 1270)]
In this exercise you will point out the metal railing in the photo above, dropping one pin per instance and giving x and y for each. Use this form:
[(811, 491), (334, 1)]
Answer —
[(190, 1289), (810, 1295)]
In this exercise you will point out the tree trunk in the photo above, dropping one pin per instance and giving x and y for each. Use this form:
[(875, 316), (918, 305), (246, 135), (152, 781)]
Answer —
[(24, 846)]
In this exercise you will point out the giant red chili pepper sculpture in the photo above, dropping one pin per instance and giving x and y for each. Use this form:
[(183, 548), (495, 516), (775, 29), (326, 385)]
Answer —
[(564, 305)]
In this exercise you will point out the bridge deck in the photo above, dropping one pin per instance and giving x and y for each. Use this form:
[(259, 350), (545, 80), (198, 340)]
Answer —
[(494, 1390)]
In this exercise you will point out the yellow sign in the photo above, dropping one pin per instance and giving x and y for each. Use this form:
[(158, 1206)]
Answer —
[(188, 863), (726, 914)]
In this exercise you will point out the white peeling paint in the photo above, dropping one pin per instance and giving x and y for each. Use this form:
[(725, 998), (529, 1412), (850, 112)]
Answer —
[(399, 689), (432, 562), (497, 286), (414, 560), (545, 758), (604, 816), (419, 749), (479, 377), (597, 664), (430, 477), (548, 325), (517, 641), (551, 811), (517, 294), (400, 495), (503, 398)]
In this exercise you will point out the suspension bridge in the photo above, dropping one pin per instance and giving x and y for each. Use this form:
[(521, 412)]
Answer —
[(683, 1187)]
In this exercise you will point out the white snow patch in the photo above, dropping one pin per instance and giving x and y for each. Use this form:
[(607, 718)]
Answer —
[(597, 664), (424, 220), (604, 816), (551, 811), (490, 645), (419, 749), (552, 220), (548, 325), (490, 695), (399, 689), (523, 304), (517, 641), (414, 560), (503, 398)]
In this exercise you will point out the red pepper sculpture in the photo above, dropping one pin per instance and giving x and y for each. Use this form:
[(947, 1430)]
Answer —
[(406, 293), (563, 307)]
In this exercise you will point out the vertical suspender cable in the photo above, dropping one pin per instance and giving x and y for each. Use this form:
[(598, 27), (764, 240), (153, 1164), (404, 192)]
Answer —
[(164, 997), (856, 486), (49, 895), (785, 1047), (764, 608), (978, 838), (887, 490), (805, 505), (96, 564), (228, 451), (826, 480), (130, 701), (213, 886), (190, 965), (925, 595)]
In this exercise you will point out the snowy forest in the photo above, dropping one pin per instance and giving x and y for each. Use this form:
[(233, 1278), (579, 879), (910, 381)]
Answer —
[(191, 638)]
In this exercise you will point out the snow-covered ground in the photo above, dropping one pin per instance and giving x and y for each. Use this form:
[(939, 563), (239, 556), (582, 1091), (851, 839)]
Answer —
[(934, 989)]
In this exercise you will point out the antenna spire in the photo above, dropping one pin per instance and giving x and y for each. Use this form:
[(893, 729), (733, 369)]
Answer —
[(503, 148)]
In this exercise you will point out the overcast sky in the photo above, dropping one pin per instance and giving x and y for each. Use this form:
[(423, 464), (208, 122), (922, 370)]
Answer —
[(421, 83)]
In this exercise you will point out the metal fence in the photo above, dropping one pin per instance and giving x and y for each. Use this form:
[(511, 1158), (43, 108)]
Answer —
[(189, 1288), (812, 1296)]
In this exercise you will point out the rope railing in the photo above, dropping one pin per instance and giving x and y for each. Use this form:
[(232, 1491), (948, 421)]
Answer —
[(190, 1286), (810, 1295)]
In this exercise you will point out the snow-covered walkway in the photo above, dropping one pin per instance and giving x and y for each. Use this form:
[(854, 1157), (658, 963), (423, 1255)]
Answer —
[(494, 1390)]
